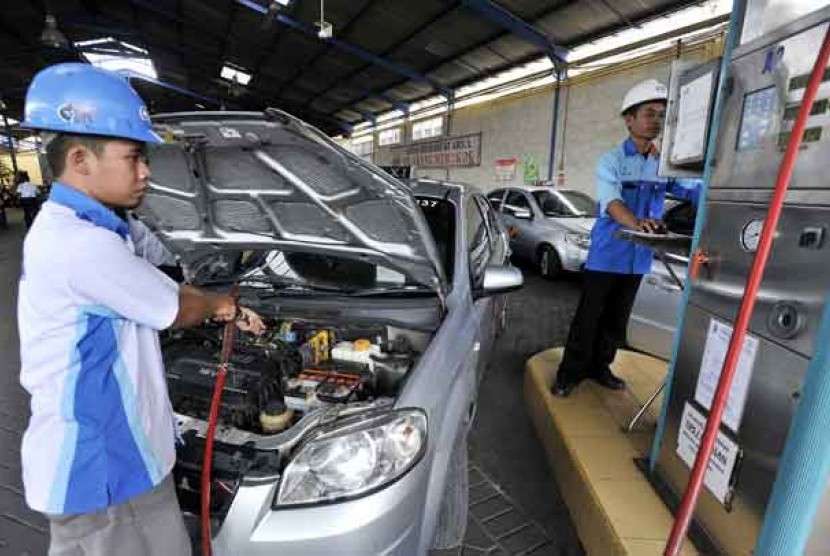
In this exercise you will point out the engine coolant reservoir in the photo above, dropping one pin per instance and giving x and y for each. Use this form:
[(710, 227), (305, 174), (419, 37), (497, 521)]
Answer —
[(359, 351)]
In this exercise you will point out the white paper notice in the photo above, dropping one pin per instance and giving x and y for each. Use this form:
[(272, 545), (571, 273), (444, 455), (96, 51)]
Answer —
[(724, 455), (692, 119), (714, 354)]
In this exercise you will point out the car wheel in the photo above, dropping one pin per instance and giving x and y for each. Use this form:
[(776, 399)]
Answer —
[(549, 264)]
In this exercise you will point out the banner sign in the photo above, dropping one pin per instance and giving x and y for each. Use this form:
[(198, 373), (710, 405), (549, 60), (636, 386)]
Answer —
[(464, 150)]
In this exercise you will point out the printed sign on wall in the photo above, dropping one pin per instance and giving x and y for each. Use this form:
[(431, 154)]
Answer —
[(464, 150), (530, 169), (506, 169)]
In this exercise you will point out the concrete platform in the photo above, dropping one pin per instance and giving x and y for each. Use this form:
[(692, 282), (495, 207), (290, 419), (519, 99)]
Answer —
[(613, 506)]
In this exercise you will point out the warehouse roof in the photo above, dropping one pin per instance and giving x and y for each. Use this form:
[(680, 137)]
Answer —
[(382, 54)]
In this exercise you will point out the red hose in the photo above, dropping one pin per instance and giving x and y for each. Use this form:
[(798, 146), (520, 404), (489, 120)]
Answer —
[(207, 463), (687, 505)]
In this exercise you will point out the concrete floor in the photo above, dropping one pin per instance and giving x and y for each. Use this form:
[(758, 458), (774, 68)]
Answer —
[(515, 506)]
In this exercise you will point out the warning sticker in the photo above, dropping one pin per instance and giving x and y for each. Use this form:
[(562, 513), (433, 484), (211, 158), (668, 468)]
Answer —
[(724, 456)]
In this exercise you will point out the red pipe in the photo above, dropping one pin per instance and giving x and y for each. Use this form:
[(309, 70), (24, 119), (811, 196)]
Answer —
[(207, 463), (687, 505)]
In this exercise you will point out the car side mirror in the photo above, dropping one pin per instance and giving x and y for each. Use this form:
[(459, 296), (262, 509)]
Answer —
[(500, 279), (522, 214)]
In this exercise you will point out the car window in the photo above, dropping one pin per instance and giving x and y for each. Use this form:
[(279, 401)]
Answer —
[(514, 201), (565, 203), (680, 218), (494, 230), (495, 198), (478, 242), (440, 217)]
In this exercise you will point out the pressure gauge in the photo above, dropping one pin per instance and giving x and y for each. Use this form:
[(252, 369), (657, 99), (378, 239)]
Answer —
[(751, 234)]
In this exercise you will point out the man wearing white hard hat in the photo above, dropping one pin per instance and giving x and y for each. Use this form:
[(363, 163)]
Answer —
[(630, 195)]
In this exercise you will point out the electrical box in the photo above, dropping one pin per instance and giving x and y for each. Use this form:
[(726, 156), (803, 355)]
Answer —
[(692, 89)]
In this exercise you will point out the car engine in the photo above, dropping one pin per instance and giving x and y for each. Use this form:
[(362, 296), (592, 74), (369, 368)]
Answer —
[(275, 379)]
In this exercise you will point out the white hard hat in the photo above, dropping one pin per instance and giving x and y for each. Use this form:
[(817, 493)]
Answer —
[(644, 91)]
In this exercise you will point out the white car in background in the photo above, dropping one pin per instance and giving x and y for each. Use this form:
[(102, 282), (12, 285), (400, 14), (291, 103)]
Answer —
[(548, 227)]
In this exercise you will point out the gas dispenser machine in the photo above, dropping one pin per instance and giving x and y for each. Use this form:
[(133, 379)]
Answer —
[(766, 77)]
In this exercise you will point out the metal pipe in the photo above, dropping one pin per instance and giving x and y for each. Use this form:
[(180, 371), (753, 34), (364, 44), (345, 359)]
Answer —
[(554, 127), (753, 283), (10, 139), (805, 463), (644, 408), (450, 113)]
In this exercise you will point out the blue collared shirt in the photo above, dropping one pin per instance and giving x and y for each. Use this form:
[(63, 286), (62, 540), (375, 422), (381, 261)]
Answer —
[(628, 176)]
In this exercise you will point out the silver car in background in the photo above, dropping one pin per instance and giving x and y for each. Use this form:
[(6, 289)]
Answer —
[(343, 428), (549, 227)]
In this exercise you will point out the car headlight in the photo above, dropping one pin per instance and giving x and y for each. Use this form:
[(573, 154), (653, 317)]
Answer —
[(357, 457), (583, 241)]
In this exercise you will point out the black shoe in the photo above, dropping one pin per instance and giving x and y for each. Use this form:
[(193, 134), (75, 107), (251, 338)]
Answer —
[(562, 388), (609, 380)]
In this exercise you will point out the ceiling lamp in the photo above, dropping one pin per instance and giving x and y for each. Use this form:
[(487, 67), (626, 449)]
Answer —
[(325, 30), (51, 35)]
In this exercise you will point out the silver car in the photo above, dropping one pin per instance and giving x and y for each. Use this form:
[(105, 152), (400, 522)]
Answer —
[(548, 227), (653, 319), (343, 429)]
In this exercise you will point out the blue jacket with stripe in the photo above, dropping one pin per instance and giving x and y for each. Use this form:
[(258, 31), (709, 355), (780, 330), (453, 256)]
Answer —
[(628, 176)]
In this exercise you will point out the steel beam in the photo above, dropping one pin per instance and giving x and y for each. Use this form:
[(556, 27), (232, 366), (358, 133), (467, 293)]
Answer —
[(370, 117), (520, 28), (130, 75), (396, 104), (554, 127), (354, 50)]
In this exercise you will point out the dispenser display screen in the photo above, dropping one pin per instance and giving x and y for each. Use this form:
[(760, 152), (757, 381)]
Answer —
[(758, 119)]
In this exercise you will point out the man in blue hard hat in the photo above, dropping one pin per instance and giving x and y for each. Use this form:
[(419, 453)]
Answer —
[(630, 195), (99, 448)]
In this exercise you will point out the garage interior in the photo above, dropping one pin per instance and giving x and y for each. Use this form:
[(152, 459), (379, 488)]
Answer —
[(508, 95)]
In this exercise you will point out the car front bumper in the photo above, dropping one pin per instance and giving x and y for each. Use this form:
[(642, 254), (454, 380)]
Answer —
[(573, 257), (386, 522)]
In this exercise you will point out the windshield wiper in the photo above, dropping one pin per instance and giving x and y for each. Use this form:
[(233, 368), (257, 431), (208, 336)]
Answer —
[(269, 285), (394, 290)]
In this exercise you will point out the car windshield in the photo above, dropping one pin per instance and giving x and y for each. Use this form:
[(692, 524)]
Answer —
[(566, 203)]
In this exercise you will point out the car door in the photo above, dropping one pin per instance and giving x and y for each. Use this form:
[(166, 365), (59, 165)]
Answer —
[(517, 215), (653, 319), (495, 199)]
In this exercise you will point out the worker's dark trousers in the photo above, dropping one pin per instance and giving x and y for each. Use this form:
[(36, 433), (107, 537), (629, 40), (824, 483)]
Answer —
[(598, 328), (30, 208)]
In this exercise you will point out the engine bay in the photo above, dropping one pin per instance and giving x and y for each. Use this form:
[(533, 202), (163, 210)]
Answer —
[(296, 367)]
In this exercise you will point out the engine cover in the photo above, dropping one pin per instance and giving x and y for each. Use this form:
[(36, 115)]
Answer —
[(253, 378)]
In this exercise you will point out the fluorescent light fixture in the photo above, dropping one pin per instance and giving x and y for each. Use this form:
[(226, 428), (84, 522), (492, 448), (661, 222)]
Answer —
[(120, 59), (234, 74)]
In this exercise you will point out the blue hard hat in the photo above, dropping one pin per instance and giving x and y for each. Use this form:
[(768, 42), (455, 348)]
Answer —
[(82, 99)]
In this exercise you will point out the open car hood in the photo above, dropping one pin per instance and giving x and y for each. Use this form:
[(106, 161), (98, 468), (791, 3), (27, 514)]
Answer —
[(250, 180)]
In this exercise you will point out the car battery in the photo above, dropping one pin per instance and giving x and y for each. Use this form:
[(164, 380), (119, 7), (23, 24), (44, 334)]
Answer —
[(328, 383)]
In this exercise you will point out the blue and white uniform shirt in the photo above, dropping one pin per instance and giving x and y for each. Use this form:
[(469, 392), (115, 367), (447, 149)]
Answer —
[(630, 177), (89, 308)]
